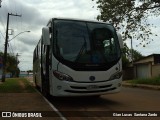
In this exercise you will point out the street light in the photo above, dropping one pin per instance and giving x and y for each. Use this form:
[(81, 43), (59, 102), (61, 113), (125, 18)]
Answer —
[(5, 52), (18, 34)]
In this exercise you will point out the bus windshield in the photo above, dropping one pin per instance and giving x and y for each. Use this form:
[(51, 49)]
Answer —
[(88, 43)]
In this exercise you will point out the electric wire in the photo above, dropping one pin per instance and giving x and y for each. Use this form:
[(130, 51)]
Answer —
[(1, 45), (11, 49), (5, 6), (2, 35), (1, 21), (3, 17)]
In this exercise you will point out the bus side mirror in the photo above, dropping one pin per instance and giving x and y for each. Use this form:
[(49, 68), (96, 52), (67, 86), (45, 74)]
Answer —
[(120, 40), (46, 36)]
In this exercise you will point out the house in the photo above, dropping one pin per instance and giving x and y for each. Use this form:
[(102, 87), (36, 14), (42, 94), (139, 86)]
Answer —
[(147, 67)]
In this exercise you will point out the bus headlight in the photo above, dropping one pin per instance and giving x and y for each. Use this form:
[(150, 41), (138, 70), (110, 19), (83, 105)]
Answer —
[(116, 76), (62, 76)]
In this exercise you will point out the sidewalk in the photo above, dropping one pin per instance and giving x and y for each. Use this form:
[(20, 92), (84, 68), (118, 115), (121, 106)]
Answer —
[(152, 87), (23, 102)]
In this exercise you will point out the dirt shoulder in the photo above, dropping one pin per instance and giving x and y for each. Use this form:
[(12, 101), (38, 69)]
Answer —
[(144, 86), (25, 100)]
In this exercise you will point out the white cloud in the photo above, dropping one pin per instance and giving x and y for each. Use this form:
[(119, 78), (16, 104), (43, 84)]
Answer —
[(35, 15)]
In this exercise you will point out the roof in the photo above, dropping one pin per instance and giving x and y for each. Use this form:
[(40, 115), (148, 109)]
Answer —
[(145, 57), (76, 19)]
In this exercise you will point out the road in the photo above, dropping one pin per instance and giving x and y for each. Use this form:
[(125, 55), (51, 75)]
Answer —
[(129, 99)]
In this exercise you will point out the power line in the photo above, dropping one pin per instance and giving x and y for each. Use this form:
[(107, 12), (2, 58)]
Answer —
[(3, 15), (11, 48), (15, 7), (1, 45), (12, 8), (5, 7), (2, 35), (2, 24)]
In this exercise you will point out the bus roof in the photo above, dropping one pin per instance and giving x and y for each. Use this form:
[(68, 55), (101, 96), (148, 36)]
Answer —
[(76, 19)]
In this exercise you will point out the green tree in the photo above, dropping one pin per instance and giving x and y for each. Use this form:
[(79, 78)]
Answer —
[(30, 71), (130, 17), (127, 55), (12, 65), (136, 55)]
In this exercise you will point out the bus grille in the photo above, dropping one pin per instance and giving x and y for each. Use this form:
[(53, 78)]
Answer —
[(95, 91), (77, 87)]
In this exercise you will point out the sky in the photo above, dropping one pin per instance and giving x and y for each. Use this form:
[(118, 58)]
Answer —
[(36, 14)]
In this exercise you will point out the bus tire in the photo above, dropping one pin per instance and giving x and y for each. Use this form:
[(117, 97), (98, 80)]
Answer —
[(45, 86)]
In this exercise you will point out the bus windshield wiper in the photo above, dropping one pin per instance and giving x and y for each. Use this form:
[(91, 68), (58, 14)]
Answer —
[(81, 50)]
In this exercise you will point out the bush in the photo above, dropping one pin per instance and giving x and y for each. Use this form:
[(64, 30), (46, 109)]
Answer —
[(149, 81)]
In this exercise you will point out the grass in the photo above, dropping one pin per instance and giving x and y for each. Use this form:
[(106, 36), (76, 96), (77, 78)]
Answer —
[(151, 81), (16, 85)]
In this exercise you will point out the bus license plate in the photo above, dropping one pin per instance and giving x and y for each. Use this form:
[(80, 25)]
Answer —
[(92, 87)]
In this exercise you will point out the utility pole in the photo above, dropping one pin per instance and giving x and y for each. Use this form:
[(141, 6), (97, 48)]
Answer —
[(5, 47)]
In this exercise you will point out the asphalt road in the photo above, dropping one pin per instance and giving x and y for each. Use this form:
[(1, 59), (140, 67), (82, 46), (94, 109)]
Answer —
[(129, 99)]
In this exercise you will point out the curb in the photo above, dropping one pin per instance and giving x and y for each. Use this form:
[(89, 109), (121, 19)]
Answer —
[(151, 87), (50, 104)]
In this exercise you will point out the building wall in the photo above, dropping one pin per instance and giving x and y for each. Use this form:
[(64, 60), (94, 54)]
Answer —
[(150, 72), (156, 70), (148, 67), (143, 70)]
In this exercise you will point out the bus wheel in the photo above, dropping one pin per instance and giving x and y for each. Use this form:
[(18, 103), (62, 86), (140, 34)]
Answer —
[(44, 91), (45, 86)]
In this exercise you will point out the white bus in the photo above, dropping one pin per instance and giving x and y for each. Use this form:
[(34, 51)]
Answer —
[(78, 58)]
